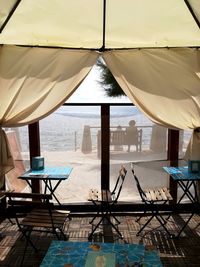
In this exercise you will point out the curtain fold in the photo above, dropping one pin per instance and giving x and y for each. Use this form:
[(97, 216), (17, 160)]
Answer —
[(163, 83), (34, 82), (193, 148), (6, 159)]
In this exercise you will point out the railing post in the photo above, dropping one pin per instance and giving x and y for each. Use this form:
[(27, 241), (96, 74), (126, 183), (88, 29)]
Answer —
[(75, 140)]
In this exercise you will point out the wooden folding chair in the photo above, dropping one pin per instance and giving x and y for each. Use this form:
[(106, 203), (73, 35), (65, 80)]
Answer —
[(39, 215), (152, 197), (105, 204)]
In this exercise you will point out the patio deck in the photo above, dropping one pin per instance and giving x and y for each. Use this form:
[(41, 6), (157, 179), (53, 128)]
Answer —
[(173, 253)]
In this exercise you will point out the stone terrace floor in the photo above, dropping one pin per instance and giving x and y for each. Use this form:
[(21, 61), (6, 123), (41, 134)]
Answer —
[(173, 252)]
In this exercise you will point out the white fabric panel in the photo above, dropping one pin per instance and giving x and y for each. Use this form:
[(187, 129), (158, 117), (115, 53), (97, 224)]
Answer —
[(193, 148), (163, 83), (33, 83), (63, 23), (157, 23), (36, 81), (6, 160), (195, 4), (5, 8), (129, 24)]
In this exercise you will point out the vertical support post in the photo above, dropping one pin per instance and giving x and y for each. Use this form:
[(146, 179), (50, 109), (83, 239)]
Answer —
[(173, 153), (75, 141), (34, 147), (105, 146)]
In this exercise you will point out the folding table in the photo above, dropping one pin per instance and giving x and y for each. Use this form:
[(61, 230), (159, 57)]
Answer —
[(186, 181), (47, 175)]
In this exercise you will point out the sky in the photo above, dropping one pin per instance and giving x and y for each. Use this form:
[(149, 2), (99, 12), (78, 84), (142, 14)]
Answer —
[(90, 91)]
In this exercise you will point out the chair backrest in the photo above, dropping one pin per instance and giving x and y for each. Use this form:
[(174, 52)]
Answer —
[(39, 214), (140, 190), (20, 198), (22, 204), (27, 201), (119, 184)]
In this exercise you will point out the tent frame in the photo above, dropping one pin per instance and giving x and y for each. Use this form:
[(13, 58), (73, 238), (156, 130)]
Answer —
[(102, 49)]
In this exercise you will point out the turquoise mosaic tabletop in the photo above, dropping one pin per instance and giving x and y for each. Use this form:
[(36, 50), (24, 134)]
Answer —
[(53, 170), (80, 254), (50, 173), (182, 174)]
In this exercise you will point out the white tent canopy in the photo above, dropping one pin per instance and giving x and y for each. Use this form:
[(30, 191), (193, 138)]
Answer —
[(49, 46), (94, 23)]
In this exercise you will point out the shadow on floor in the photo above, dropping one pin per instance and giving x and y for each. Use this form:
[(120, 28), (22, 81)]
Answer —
[(180, 252)]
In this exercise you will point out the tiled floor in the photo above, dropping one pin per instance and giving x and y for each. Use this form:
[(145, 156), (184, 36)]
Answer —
[(173, 252)]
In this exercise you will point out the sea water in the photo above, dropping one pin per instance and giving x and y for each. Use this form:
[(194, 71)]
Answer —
[(63, 129)]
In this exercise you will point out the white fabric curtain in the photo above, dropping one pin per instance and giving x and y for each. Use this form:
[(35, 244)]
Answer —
[(36, 81), (163, 83), (6, 162)]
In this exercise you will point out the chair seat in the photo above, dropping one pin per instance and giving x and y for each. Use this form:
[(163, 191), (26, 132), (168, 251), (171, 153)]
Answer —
[(104, 202), (152, 197), (40, 215), (42, 218), (159, 194)]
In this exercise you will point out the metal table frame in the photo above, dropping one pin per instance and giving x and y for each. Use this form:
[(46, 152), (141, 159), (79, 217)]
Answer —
[(185, 180), (48, 175)]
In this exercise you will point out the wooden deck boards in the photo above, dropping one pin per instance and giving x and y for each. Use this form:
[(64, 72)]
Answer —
[(180, 252)]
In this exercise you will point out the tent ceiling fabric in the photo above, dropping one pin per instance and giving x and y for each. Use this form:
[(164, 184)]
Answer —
[(100, 25), (79, 24), (195, 4)]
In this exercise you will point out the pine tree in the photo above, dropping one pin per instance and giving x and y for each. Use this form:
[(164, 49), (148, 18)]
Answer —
[(107, 80)]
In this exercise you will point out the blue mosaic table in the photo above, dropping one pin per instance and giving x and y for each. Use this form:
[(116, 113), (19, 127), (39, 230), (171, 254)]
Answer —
[(47, 175), (187, 181), (53, 173), (64, 253), (182, 174)]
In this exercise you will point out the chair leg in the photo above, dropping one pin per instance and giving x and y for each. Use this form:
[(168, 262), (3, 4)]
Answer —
[(22, 261), (116, 229), (138, 219), (26, 232), (98, 212), (11, 221), (56, 233), (63, 234), (160, 219), (142, 228), (186, 223), (90, 222), (114, 217), (96, 226)]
